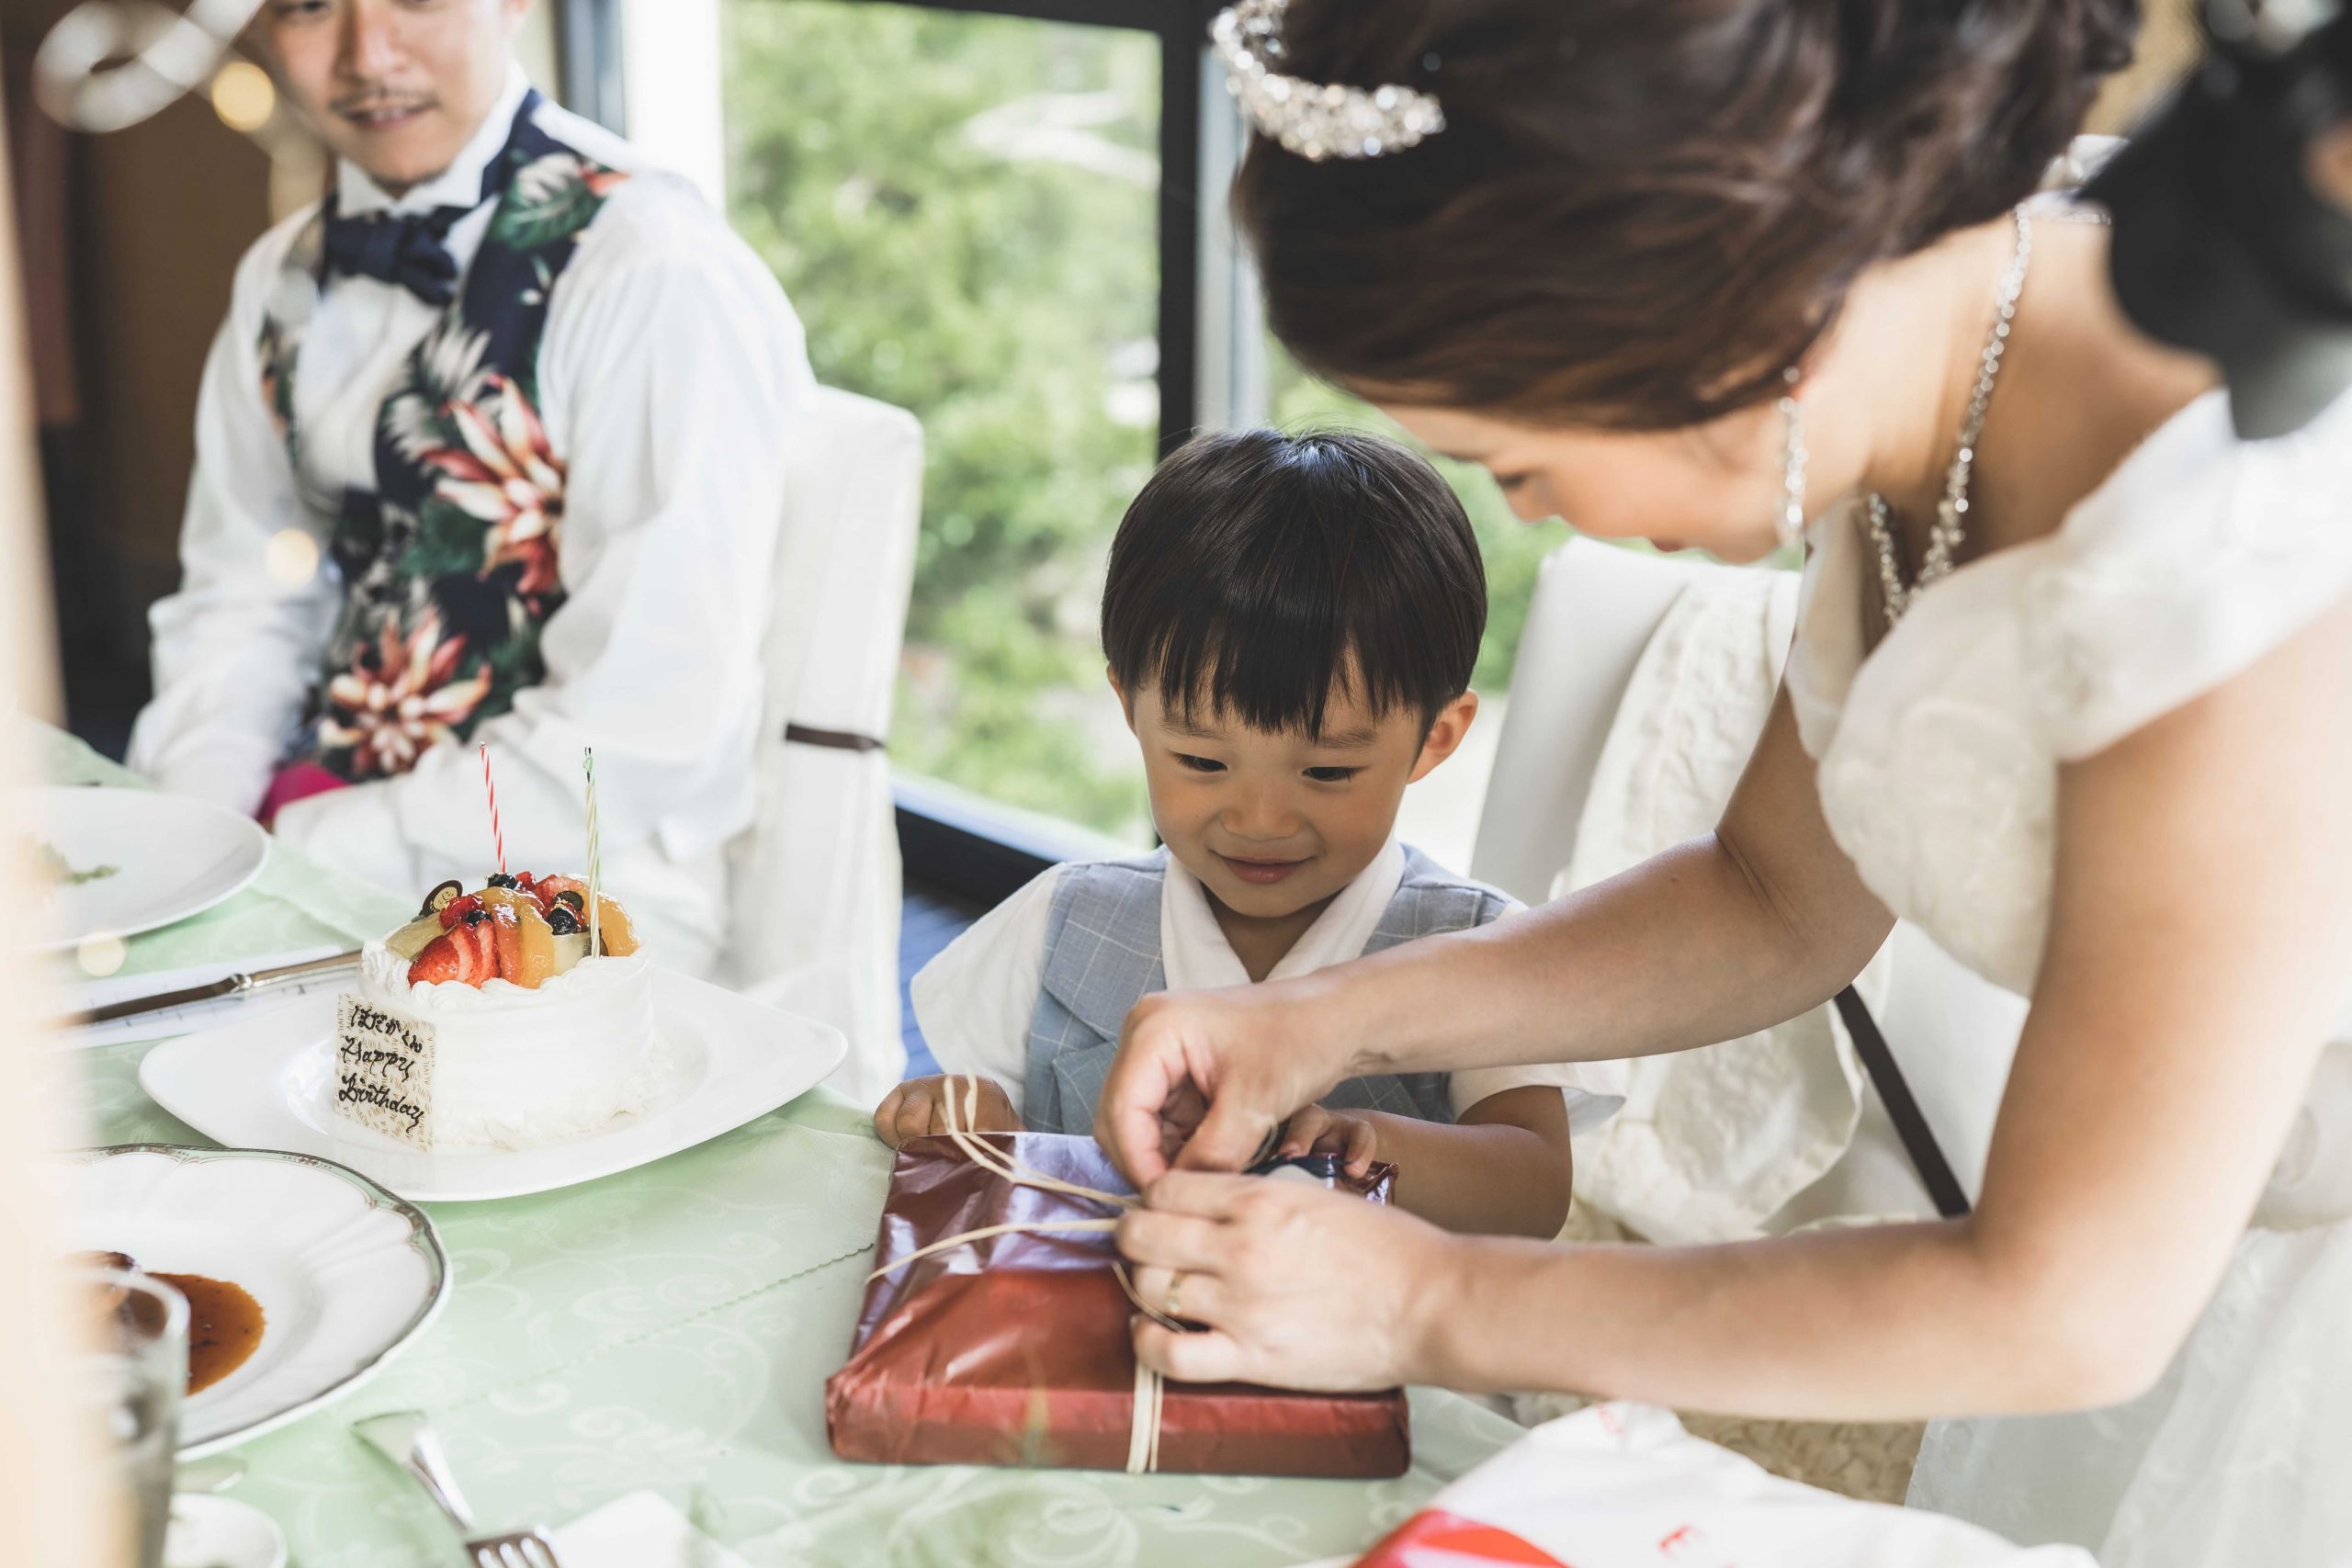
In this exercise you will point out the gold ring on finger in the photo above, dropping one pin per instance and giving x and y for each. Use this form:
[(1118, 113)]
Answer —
[(1175, 1291)]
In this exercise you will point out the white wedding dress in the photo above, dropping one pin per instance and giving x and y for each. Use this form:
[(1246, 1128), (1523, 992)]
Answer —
[(1939, 756)]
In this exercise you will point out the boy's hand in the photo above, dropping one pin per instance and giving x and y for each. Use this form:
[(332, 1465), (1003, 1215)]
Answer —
[(918, 1107), (1318, 1131)]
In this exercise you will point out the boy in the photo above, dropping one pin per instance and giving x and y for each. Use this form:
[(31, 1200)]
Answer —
[(1290, 623)]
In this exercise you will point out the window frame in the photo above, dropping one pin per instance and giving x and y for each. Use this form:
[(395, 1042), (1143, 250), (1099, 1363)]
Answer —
[(1206, 319), (588, 37), (592, 59)]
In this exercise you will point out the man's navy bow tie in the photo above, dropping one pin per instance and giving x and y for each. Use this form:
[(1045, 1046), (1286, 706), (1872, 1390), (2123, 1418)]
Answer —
[(407, 249)]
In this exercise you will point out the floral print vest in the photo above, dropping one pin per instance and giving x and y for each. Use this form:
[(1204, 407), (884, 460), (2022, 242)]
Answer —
[(449, 566)]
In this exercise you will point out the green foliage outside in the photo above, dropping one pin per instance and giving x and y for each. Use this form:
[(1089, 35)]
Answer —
[(943, 197), (962, 207)]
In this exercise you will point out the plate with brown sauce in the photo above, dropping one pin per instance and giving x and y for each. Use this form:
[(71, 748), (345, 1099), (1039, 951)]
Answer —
[(303, 1278)]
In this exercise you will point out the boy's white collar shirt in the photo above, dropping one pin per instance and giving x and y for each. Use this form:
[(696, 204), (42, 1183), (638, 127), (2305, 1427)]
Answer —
[(670, 369), (1196, 956), (975, 1001)]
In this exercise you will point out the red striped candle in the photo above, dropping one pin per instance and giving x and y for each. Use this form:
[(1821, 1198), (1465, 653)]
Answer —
[(490, 789)]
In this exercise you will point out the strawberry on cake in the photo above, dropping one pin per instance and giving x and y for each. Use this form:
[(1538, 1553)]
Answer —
[(486, 1021)]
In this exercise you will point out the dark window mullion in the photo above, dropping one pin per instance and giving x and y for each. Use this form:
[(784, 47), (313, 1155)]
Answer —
[(588, 46), (1181, 61), (1136, 15)]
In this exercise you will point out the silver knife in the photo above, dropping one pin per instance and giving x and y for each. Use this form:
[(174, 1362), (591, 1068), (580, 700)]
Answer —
[(230, 986)]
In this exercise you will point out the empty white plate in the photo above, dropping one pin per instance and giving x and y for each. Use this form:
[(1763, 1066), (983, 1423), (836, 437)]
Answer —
[(345, 1273), (267, 1081), (128, 861)]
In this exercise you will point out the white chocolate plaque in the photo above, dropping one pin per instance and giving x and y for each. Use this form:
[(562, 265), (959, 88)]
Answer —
[(384, 1071)]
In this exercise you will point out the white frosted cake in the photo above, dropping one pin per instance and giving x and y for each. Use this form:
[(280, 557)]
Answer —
[(487, 1022)]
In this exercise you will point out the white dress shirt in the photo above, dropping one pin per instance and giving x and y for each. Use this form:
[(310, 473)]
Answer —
[(975, 1001), (671, 367)]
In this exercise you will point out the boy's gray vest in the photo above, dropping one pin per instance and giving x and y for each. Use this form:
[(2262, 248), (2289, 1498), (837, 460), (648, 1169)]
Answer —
[(1102, 956)]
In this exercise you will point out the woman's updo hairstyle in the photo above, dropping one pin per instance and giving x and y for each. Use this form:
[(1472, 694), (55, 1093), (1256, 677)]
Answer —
[(1641, 211)]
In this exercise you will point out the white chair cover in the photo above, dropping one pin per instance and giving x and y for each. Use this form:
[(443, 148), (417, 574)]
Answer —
[(1779, 1129), (1595, 610), (816, 881)]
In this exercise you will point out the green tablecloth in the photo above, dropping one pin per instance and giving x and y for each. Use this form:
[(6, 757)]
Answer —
[(672, 1327)]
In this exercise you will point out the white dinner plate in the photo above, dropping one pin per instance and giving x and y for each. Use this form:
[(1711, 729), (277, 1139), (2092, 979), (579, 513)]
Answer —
[(347, 1274), (267, 1081), (145, 858)]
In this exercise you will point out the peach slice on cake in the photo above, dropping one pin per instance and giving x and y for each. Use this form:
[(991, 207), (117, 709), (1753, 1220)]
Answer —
[(525, 945)]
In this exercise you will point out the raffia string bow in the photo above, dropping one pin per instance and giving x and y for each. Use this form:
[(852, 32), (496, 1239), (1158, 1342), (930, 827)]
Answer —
[(1143, 1442)]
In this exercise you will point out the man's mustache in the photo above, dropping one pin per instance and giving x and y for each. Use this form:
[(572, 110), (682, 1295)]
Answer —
[(376, 101)]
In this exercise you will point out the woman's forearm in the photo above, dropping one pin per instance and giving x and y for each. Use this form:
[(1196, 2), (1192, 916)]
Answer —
[(1682, 950), (1892, 1322), (2179, 1013), (1740, 929), (1734, 932)]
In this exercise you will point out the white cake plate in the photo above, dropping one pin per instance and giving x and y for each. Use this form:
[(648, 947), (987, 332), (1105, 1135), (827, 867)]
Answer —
[(267, 1081)]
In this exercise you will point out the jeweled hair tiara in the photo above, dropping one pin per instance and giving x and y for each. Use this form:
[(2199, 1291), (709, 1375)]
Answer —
[(1314, 120)]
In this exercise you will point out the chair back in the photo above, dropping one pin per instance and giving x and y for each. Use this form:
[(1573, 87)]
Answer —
[(816, 880), (1595, 610)]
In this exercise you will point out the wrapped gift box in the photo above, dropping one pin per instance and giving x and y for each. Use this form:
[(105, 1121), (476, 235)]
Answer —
[(1014, 1350)]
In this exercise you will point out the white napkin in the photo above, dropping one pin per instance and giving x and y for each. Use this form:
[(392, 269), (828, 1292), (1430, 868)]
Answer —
[(639, 1530), (1622, 1485)]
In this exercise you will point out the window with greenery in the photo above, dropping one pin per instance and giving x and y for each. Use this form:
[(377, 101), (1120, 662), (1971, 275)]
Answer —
[(964, 209)]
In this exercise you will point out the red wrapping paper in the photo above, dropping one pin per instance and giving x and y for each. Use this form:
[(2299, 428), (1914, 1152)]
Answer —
[(1014, 1351)]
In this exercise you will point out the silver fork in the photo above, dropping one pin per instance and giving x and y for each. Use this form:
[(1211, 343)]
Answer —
[(406, 1439)]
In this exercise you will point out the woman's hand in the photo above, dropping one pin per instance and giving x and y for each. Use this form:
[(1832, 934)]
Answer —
[(1297, 1286), (1724, 936), (1204, 1079)]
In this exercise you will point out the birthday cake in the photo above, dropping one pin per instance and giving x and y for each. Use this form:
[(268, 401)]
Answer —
[(487, 1021)]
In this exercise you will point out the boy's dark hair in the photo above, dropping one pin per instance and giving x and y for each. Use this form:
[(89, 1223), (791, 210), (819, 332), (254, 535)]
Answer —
[(1256, 571)]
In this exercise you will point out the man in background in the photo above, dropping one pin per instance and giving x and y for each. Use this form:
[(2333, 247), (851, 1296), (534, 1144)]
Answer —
[(488, 450)]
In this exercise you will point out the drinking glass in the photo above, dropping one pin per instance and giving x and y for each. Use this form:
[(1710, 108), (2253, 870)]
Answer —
[(135, 1371)]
